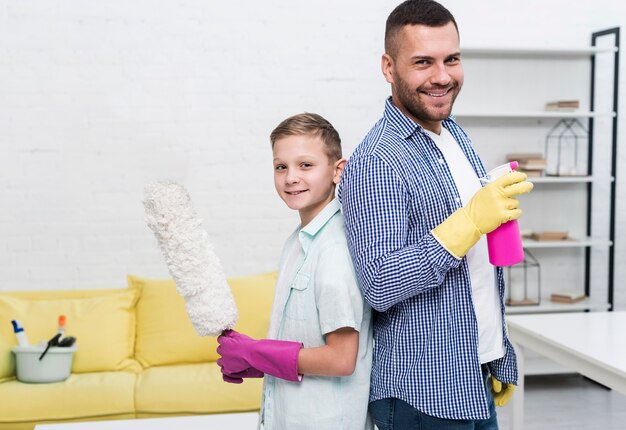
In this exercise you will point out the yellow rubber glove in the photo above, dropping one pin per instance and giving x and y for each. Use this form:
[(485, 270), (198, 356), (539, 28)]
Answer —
[(491, 206), (502, 392)]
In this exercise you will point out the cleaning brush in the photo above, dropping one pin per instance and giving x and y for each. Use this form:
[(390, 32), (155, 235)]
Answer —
[(190, 258)]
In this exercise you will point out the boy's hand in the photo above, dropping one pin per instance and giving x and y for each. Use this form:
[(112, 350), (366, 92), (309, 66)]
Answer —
[(232, 361), (238, 377), (241, 353)]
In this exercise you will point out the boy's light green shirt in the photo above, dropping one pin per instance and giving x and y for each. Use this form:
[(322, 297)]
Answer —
[(317, 293)]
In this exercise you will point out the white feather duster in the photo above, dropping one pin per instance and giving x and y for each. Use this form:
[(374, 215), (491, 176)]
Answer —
[(190, 258)]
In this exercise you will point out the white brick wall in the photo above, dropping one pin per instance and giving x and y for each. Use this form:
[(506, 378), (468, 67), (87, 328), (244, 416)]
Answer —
[(99, 98)]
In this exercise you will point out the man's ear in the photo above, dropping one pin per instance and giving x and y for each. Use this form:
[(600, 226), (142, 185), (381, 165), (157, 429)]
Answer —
[(339, 166), (386, 66)]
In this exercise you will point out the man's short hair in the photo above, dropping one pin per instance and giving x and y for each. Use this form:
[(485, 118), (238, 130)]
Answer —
[(310, 124), (415, 12)]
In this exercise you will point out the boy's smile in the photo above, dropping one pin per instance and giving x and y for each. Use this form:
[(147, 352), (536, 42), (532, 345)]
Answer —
[(304, 175)]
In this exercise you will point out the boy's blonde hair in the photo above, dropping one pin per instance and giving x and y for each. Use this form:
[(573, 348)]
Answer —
[(310, 124)]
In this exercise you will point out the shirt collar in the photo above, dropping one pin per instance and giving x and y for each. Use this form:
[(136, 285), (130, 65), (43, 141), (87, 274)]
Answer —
[(405, 125), (308, 232)]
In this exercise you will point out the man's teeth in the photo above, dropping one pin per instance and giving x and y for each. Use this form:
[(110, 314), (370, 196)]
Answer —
[(437, 94)]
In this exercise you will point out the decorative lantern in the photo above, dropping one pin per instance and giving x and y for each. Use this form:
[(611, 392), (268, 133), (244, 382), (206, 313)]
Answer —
[(523, 282), (565, 146)]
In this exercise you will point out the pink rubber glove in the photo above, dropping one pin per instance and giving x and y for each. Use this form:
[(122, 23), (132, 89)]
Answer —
[(238, 377), (240, 353)]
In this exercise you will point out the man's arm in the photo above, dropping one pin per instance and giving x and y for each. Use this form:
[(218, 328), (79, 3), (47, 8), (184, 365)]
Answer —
[(376, 210), (376, 204)]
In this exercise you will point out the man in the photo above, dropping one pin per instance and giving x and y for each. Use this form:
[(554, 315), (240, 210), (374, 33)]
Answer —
[(415, 216)]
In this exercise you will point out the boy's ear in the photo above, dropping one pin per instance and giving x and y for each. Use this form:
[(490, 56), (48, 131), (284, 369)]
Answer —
[(339, 166)]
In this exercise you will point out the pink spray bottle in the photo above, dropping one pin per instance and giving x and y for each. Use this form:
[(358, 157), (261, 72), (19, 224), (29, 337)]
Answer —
[(505, 242)]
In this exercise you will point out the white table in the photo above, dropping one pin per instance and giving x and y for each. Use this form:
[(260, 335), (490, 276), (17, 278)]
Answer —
[(236, 421), (593, 344)]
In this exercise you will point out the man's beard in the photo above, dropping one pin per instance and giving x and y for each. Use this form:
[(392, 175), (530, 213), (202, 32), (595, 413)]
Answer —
[(412, 102)]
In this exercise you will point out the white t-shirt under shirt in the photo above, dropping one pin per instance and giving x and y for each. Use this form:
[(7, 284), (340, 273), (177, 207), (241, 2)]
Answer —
[(482, 274)]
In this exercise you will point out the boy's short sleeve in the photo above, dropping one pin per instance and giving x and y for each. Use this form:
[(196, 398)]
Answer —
[(339, 299)]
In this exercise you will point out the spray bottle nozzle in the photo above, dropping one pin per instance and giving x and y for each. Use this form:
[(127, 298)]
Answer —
[(499, 171)]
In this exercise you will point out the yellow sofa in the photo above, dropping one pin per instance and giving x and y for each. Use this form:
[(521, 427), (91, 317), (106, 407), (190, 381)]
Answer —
[(138, 354)]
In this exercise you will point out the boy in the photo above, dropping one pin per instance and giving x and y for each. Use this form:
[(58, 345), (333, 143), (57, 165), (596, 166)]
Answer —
[(317, 365)]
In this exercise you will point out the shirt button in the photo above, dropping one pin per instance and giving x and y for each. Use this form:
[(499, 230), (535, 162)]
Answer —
[(458, 200), (441, 161)]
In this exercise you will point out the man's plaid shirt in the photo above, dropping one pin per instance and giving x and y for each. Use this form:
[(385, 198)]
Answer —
[(395, 189)]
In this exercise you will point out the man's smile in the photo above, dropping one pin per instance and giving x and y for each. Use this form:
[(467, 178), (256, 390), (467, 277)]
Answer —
[(436, 93)]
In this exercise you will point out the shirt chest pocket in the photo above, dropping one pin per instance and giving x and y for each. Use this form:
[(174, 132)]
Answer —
[(299, 300)]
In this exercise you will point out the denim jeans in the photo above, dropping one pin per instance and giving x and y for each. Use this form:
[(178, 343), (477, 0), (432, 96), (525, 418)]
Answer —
[(396, 414)]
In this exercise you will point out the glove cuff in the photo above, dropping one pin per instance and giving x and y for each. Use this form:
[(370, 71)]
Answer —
[(457, 234), (277, 358)]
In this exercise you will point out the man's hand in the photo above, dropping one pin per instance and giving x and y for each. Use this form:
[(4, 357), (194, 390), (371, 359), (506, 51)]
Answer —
[(490, 207), (501, 391)]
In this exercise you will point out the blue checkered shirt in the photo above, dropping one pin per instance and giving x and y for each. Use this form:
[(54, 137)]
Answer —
[(395, 189)]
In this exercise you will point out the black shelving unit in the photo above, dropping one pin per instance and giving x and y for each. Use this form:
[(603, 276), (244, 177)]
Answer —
[(615, 33)]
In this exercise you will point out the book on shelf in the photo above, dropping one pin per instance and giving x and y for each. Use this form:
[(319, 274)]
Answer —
[(549, 235), (533, 164), (563, 105), (567, 296), (531, 173), (521, 156)]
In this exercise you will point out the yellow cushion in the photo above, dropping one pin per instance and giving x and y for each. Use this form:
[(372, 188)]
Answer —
[(175, 389), (104, 327), (165, 334), (87, 395)]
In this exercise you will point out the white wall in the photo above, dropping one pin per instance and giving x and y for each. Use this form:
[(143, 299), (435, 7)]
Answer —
[(99, 98)]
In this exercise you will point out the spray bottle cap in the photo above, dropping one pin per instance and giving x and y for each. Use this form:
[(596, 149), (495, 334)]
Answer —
[(17, 326), (62, 320)]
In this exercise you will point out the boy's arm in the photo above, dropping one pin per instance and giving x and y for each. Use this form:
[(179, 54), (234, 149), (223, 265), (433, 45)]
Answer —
[(244, 357), (336, 358), (340, 310)]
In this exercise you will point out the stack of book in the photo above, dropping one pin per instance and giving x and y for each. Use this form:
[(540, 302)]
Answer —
[(563, 105), (567, 296), (533, 164), (549, 235)]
